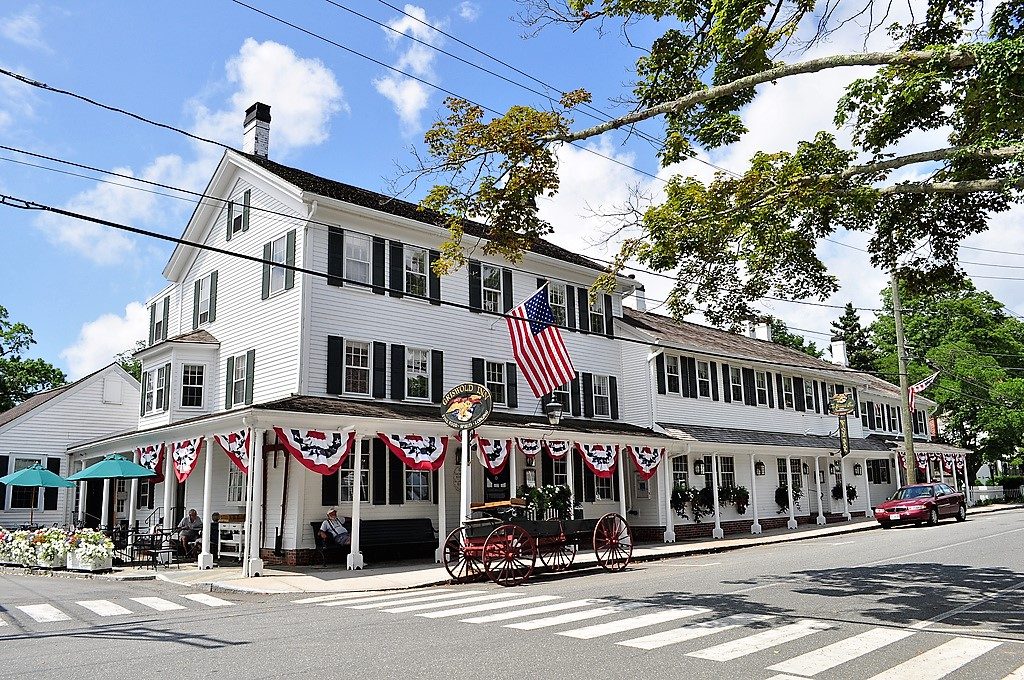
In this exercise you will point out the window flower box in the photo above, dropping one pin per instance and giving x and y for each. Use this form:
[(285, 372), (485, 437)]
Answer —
[(75, 562)]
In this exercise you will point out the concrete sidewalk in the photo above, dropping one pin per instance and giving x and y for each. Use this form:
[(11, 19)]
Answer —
[(410, 574)]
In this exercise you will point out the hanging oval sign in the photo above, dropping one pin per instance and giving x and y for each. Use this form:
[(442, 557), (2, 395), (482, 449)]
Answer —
[(466, 406), (842, 404)]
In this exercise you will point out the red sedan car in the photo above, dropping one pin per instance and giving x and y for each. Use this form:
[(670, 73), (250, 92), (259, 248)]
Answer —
[(919, 503)]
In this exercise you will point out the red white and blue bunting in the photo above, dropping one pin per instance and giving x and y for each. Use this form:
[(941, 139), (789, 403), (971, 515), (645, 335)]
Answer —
[(646, 459), (152, 458), (321, 452), (184, 456), (599, 458), (529, 447), (415, 451), (493, 453), (557, 448), (236, 445)]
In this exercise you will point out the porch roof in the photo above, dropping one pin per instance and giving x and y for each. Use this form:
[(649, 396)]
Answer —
[(896, 444), (727, 435)]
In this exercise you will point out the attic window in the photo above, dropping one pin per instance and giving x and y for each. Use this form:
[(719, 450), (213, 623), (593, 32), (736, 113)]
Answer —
[(236, 224)]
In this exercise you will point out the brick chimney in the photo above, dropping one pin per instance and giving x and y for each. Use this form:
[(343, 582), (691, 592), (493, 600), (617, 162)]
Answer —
[(256, 130)]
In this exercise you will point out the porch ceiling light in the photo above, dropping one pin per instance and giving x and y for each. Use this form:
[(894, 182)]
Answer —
[(553, 410)]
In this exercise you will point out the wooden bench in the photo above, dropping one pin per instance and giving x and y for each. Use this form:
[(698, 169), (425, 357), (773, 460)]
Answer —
[(385, 539)]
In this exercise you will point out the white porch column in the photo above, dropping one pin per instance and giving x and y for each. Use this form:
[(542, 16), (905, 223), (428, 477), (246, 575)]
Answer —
[(355, 555), (465, 491), (105, 511), (717, 531), (133, 497), (206, 557), (867, 491), (896, 468), (956, 485), (513, 472), (246, 528), (817, 486), (570, 480), (623, 471), (791, 524), (842, 482), (255, 520), (755, 528), (168, 499), (665, 484), (82, 488), (442, 513)]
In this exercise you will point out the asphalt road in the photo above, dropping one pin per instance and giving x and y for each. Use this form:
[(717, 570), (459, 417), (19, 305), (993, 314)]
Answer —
[(940, 602)]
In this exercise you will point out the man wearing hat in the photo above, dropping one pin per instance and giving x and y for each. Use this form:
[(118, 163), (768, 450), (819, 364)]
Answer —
[(332, 530)]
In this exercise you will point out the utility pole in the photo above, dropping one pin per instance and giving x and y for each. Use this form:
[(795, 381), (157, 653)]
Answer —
[(901, 353)]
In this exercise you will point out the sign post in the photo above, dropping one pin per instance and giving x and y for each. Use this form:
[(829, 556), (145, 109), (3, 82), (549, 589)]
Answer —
[(465, 407)]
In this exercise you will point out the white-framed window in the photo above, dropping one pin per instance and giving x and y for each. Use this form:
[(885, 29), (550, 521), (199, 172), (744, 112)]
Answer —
[(797, 476), (761, 387), (672, 373), (357, 367), (25, 497), (726, 471), (787, 392), (830, 389), (278, 254), (119, 506), (416, 263), (893, 419), (556, 298), (602, 397), (159, 382), (603, 488), (236, 485), (159, 332), (238, 380), (192, 379), (878, 472), (417, 373), (922, 421), (680, 472), (703, 379), (122, 486), (147, 391), (560, 472), (205, 290), (736, 384), (358, 249), (879, 420), (597, 320), (494, 378), (490, 278), (142, 499), (347, 472), (417, 485), (864, 414), (237, 219), (808, 395), (561, 394)]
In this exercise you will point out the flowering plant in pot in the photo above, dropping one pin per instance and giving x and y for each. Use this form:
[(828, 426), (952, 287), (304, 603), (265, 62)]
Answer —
[(6, 542), (51, 547), (851, 492), (90, 551), (741, 498)]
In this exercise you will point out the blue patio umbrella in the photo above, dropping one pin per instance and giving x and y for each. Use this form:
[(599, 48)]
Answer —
[(35, 476), (113, 466)]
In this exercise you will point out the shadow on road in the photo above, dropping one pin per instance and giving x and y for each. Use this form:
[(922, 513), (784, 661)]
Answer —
[(137, 632)]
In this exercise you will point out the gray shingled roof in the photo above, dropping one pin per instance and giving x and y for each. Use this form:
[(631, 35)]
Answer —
[(198, 337), (728, 435)]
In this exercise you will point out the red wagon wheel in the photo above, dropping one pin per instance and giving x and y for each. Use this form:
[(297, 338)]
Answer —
[(557, 554), (509, 555), (613, 542), (461, 561)]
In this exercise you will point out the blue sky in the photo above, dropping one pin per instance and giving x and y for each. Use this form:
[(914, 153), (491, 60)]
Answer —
[(197, 65)]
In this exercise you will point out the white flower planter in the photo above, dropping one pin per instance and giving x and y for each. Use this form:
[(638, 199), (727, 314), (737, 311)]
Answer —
[(77, 564), (55, 563)]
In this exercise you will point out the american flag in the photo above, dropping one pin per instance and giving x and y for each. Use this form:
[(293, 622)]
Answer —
[(537, 345), (913, 390)]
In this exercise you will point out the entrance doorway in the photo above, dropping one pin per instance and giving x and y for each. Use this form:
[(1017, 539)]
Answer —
[(93, 503)]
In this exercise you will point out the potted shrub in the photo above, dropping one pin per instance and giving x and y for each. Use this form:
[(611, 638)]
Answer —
[(90, 551), (741, 497), (51, 547), (851, 492), (782, 499), (22, 550), (680, 497)]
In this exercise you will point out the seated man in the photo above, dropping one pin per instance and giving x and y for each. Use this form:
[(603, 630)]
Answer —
[(332, 531), (189, 529)]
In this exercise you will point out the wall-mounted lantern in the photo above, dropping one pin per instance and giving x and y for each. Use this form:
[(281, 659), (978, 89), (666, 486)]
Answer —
[(759, 468), (698, 466), (858, 469)]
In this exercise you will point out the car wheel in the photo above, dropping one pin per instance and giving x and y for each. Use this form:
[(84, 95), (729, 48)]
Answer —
[(933, 517), (961, 514), (886, 525)]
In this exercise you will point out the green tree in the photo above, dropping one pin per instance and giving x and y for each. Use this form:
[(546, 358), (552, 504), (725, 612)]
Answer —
[(978, 350), (20, 376), (128, 361), (953, 70), (859, 350), (781, 335)]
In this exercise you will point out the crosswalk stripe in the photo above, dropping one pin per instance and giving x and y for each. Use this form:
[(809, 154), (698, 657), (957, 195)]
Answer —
[(408, 599), (833, 655), (941, 661), (698, 630), (760, 641), (633, 623), (445, 603), (569, 618), (545, 609), (335, 597), (488, 606), (1016, 675), (104, 607), (158, 603), (386, 598), (44, 613), (208, 600)]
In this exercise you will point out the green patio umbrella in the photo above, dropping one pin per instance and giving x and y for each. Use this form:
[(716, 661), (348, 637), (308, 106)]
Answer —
[(113, 466), (35, 476)]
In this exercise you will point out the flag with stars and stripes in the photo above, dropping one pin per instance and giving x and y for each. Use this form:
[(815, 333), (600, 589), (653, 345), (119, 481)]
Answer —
[(914, 390), (537, 345)]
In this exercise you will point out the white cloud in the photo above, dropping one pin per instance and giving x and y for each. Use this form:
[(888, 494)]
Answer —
[(105, 337), (410, 97), (469, 11), (24, 29)]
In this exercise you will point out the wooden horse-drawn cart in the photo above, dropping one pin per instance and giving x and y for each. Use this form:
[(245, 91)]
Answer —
[(503, 542)]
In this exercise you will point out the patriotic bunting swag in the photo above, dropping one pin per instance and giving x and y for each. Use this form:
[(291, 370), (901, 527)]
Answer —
[(321, 452), (646, 460), (152, 458), (961, 462), (529, 447), (493, 453), (416, 452), (184, 456), (922, 462), (236, 445), (947, 463), (557, 448), (600, 458)]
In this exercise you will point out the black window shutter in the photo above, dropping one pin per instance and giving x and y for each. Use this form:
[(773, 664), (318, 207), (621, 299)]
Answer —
[(541, 281), (329, 490), (589, 492), (396, 269), (433, 487), (779, 391), (266, 271), (396, 481), (659, 368), (229, 383), (398, 372), (246, 201), (588, 395), (50, 495), (476, 287), (250, 374), (289, 259), (613, 389), (213, 296), (506, 290), (478, 371), (379, 472), (577, 476), (195, 304), (856, 403), (380, 370), (167, 316), (608, 318), (167, 386), (436, 376), (770, 384), (511, 385), (726, 383), (152, 324), (871, 415), (377, 266), (231, 215), (570, 307), (691, 377), (574, 396), (433, 280), (584, 309), (798, 394), (4, 462), (335, 256), (749, 391), (817, 400), (824, 393), (547, 469), (615, 483), (335, 364), (714, 381)]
